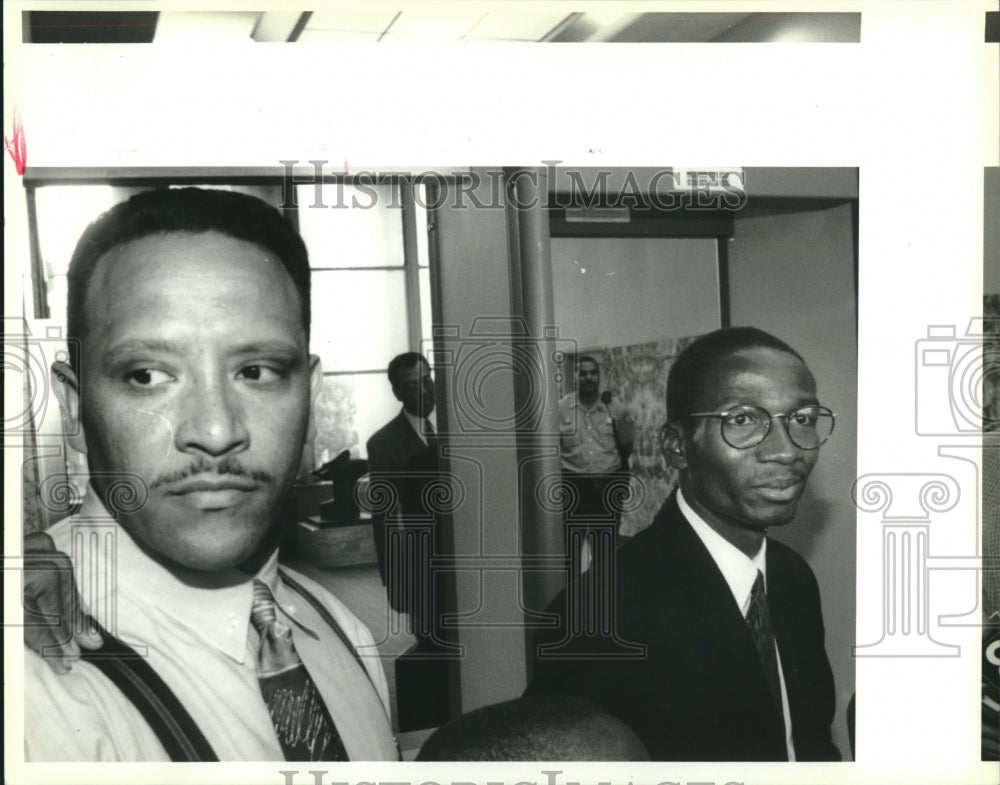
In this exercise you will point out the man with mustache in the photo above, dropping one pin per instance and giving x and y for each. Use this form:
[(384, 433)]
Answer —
[(190, 391), (717, 651)]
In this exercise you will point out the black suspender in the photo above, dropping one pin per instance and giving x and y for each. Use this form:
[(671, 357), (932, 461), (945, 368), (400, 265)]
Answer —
[(166, 716), (326, 616), (157, 704)]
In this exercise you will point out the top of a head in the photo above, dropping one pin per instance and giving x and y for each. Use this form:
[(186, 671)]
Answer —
[(536, 727), (192, 211), (696, 361), (402, 362)]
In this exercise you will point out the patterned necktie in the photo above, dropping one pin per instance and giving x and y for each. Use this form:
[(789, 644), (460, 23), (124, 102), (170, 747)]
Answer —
[(759, 619), (300, 718)]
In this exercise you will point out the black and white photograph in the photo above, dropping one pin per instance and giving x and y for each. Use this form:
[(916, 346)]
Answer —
[(438, 392), (991, 469)]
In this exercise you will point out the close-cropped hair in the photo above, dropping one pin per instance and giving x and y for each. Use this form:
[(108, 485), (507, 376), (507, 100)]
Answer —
[(191, 211), (536, 727), (403, 362), (586, 358), (693, 365)]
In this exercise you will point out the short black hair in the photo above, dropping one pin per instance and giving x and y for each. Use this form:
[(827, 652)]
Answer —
[(191, 211), (587, 358), (535, 727), (686, 379), (402, 362)]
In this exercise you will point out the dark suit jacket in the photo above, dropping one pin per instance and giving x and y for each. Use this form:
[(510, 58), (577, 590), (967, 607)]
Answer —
[(393, 446), (698, 692), (397, 454)]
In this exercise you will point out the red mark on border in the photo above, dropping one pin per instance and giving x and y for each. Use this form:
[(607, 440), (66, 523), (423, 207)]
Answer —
[(16, 146), (346, 172)]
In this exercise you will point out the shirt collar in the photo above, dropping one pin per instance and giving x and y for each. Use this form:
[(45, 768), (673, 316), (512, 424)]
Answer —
[(739, 570), (599, 405), (218, 613)]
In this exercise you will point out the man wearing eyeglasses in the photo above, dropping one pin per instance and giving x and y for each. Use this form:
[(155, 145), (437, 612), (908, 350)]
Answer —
[(730, 662)]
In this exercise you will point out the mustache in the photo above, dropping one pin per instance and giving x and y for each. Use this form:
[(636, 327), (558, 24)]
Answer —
[(230, 466)]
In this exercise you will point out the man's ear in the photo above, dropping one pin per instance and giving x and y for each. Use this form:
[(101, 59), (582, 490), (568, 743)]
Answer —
[(673, 445), (315, 388), (66, 386)]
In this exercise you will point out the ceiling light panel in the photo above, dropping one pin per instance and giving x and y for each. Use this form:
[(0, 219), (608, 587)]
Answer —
[(197, 26), (434, 24), (308, 36), (515, 26), (351, 21)]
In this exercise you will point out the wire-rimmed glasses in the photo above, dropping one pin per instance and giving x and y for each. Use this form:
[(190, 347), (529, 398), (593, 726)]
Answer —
[(744, 427)]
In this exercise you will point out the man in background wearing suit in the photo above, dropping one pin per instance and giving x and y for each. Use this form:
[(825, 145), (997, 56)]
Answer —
[(731, 663), (403, 454)]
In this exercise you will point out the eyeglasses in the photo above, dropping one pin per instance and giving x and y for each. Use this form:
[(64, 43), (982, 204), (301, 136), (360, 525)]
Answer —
[(744, 427)]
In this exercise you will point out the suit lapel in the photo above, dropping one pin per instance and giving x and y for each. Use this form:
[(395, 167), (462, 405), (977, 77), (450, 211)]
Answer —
[(788, 623), (729, 664), (409, 441), (716, 621)]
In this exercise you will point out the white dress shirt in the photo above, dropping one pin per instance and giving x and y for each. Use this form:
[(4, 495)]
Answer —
[(200, 641), (740, 572)]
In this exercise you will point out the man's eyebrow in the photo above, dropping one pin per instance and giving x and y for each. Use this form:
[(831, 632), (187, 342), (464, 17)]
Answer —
[(129, 349), (800, 403), (126, 349), (267, 347)]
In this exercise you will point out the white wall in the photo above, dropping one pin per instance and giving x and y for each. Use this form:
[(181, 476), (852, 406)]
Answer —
[(793, 275), (615, 291)]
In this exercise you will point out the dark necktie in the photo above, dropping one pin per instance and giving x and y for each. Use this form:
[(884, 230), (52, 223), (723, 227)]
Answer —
[(759, 619), (430, 435), (300, 718)]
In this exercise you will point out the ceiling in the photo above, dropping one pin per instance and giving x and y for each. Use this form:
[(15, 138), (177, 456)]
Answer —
[(454, 23)]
